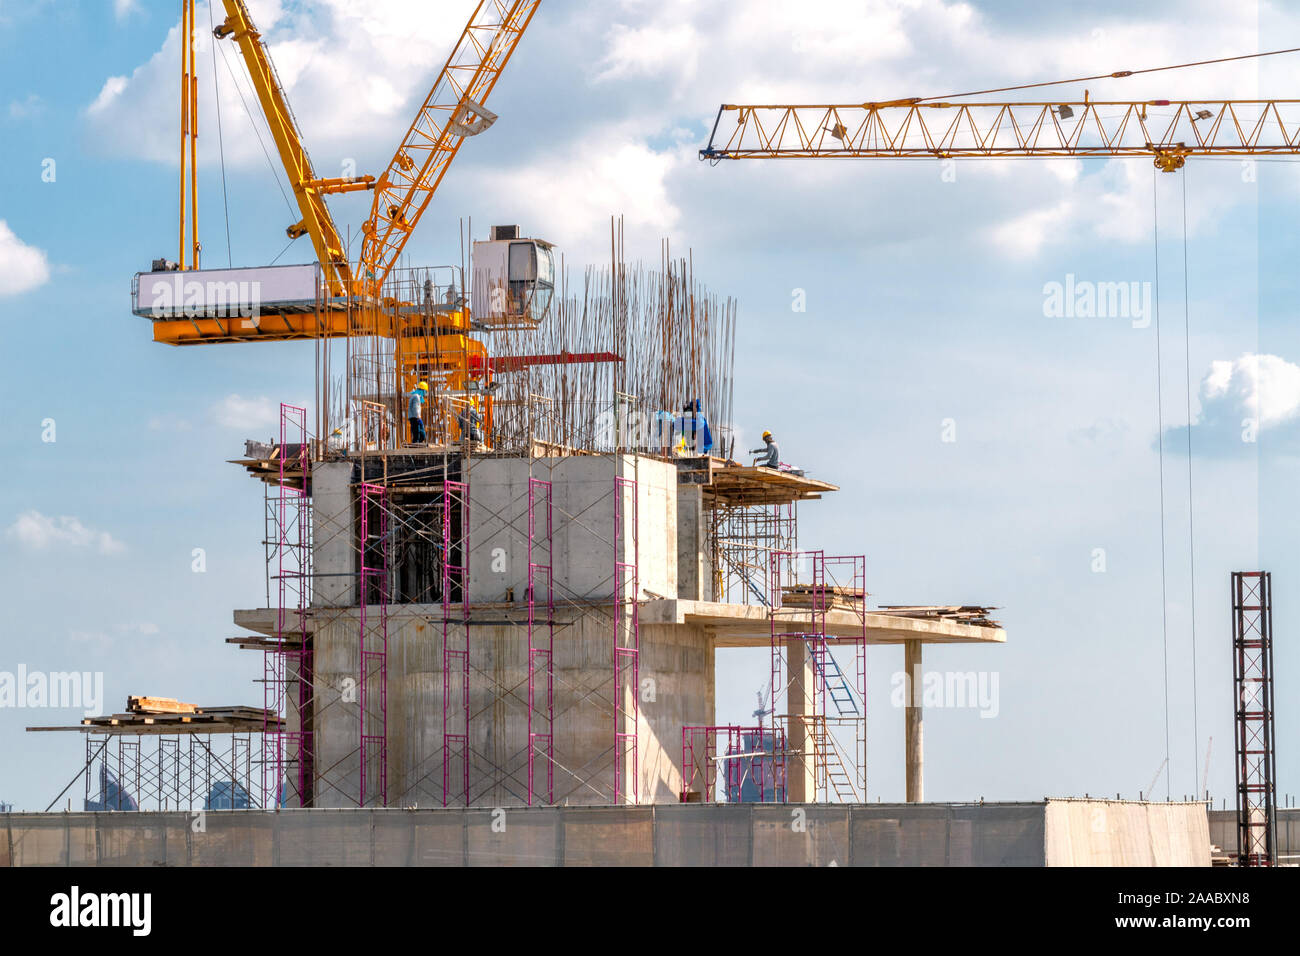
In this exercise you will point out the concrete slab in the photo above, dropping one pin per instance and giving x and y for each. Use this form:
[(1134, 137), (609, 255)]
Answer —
[(741, 625)]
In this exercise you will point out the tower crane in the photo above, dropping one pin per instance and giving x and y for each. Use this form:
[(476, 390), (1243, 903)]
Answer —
[(512, 276), (1169, 132)]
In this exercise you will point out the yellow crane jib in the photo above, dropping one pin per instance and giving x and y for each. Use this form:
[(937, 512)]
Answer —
[(453, 111), (1166, 131)]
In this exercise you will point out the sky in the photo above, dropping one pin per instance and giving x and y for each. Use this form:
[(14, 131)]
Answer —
[(1095, 478)]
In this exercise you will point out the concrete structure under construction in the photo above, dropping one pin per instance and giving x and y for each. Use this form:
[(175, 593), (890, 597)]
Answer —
[(549, 627)]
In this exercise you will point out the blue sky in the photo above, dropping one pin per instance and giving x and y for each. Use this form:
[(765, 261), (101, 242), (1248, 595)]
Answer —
[(924, 303)]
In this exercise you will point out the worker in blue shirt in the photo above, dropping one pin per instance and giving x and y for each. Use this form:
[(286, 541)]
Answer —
[(769, 456), (692, 434), (414, 412)]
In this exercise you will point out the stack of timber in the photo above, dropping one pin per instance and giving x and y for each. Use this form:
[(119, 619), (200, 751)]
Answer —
[(163, 715), (262, 460), (961, 613), (828, 597)]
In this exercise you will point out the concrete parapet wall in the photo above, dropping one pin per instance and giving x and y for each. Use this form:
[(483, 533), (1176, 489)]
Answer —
[(993, 834), (1223, 832), (1124, 833)]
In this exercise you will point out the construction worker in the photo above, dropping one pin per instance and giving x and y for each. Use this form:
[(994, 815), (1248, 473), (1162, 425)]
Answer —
[(769, 456), (691, 431), (471, 421), (415, 412)]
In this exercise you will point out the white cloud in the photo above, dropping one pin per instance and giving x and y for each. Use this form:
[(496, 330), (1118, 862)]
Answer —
[(1027, 233), (335, 58), (22, 267), (169, 422), (609, 171), (42, 533), (113, 88), (237, 412), (124, 8), (1263, 387), (28, 106), (650, 50)]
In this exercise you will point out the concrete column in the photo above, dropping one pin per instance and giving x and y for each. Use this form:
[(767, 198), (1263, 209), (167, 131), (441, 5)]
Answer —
[(801, 767), (334, 555), (691, 544), (912, 721)]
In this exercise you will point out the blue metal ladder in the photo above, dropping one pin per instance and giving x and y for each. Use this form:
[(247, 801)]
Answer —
[(837, 686)]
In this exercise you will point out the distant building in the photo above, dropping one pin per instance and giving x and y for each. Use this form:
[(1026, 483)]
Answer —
[(111, 794), (227, 795), (752, 776)]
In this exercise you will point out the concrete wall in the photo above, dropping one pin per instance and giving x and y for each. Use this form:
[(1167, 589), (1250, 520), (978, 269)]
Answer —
[(694, 580), (1223, 832), (748, 835), (1123, 833), (677, 683), (993, 834), (582, 502), (334, 547)]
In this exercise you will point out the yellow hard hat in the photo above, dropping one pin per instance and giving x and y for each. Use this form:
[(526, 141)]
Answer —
[(423, 385), (767, 434)]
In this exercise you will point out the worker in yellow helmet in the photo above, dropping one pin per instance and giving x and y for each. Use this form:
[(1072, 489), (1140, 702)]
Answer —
[(415, 412), (769, 456)]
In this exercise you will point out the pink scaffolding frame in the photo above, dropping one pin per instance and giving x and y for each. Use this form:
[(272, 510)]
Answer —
[(848, 576), (626, 643), (541, 638), (455, 637), (289, 657), (373, 686), (700, 759)]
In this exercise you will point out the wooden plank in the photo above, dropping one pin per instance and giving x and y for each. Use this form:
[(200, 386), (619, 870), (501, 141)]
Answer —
[(140, 704)]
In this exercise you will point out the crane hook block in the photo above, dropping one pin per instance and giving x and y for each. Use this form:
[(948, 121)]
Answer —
[(471, 118)]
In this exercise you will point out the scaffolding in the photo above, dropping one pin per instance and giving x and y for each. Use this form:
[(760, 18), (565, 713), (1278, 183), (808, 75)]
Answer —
[(742, 538), (627, 691), (541, 639), (170, 772), (455, 639), (818, 708), (372, 685), (750, 759), (1252, 684), (287, 678)]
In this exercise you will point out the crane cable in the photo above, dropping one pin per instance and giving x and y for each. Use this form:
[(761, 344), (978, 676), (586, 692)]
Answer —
[(1191, 510), (257, 131), (1160, 439), (221, 142), (1118, 75)]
